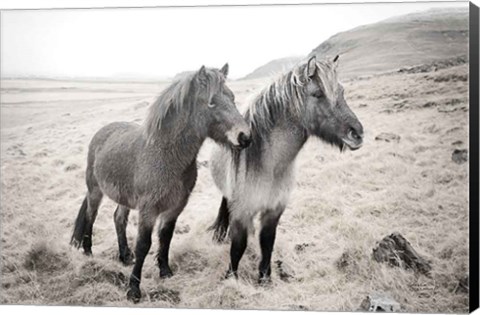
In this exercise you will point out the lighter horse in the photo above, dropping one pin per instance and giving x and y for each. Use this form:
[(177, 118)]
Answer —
[(307, 101)]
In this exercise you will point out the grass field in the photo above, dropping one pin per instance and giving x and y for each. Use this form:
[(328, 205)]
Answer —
[(342, 205)]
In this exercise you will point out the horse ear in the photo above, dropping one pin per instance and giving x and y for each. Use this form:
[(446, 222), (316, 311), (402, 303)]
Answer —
[(311, 66), (202, 72), (224, 70)]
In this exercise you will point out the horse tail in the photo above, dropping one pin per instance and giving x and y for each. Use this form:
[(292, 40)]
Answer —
[(80, 224), (220, 226)]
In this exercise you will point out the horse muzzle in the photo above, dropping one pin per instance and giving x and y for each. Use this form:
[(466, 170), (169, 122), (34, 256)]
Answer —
[(353, 140), (244, 141)]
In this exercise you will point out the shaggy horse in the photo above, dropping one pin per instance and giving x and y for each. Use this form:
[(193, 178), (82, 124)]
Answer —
[(307, 101), (153, 167)]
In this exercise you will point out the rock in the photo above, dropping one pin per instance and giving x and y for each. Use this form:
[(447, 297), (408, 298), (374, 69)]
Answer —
[(379, 302), (460, 156), (397, 251), (388, 137)]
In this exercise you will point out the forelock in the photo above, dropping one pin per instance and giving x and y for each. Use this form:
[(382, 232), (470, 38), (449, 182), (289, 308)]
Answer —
[(326, 76)]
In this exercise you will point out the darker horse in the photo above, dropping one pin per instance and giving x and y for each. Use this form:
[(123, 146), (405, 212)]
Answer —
[(152, 167)]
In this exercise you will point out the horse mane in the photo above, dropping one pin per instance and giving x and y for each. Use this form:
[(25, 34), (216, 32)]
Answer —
[(286, 94), (171, 110)]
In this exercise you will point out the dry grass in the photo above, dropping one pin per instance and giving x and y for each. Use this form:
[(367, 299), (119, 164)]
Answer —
[(342, 205)]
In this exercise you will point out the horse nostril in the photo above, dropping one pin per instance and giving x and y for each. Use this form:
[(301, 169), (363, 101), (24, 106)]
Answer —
[(244, 140), (354, 134)]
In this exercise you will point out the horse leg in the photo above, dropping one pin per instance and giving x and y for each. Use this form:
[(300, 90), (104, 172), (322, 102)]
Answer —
[(121, 220), (144, 241), (165, 234), (94, 198), (269, 221), (239, 236), (220, 227)]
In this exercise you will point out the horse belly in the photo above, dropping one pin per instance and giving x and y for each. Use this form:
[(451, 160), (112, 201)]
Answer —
[(119, 194), (116, 181)]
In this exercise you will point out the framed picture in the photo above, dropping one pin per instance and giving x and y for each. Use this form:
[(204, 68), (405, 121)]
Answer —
[(254, 156)]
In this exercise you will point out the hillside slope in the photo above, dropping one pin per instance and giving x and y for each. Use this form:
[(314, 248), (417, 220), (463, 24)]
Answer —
[(398, 42), (402, 41)]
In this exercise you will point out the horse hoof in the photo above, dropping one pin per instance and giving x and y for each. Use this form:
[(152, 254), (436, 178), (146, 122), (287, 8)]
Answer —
[(134, 294), (166, 273), (231, 274), (265, 281), (127, 259)]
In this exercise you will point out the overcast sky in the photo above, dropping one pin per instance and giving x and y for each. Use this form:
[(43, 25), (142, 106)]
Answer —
[(160, 42)]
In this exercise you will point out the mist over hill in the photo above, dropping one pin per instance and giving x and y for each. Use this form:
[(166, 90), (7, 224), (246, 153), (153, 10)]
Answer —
[(402, 41), (273, 67)]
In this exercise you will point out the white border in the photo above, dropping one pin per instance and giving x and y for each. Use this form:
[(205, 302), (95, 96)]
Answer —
[(46, 4), (49, 4)]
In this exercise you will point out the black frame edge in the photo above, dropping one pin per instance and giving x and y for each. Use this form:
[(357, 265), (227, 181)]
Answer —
[(473, 167)]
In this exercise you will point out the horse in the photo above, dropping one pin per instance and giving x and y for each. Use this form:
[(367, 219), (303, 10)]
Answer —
[(152, 167), (306, 101)]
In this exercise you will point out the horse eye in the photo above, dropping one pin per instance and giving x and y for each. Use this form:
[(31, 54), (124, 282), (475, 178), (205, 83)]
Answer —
[(317, 94)]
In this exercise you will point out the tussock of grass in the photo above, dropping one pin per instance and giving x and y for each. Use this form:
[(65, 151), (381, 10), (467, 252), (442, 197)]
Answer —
[(43, 259), (92, 272), (164, 294)]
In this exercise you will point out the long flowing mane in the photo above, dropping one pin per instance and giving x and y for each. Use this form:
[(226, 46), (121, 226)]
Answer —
[(173, 108), (287, 94)]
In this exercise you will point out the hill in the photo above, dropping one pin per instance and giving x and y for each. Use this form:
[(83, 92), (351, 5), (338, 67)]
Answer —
[(407, 40)]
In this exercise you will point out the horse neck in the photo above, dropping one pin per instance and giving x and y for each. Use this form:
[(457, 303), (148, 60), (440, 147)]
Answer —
[(181, 148), (283, 140), (287, 138)]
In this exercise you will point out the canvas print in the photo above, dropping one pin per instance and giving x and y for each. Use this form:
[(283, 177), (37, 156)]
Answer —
[(276, 157)]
